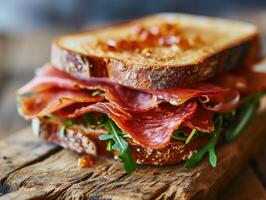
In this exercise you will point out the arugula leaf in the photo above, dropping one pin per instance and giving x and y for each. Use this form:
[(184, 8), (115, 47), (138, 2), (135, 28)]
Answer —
[(110, 143), (50, 117), (237, 122), (193, 132), (176, 136), (96, 92), (120, 144), (89, 119), (209, 147), (212, 157), (129, 163), (116, 142), (62, 132), (179, 135), (68, 123), (105, 137)]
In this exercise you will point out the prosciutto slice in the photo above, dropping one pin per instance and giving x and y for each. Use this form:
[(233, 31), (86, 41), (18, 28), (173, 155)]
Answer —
[(152, 128), (202, 120), (148, 116), (245, 80), (127, 97), (38, 104)]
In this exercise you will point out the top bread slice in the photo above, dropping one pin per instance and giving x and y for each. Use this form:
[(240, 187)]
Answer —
[(159, 51)]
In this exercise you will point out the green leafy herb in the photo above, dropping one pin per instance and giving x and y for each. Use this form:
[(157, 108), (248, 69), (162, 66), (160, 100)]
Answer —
[(209, 147), (68, 123), (116, 142), (50, 117), (96, 92), (129, 163), (110, 143), (193, 132), (179, 135), (62, 132), (236, 122), (89, 119), (176, 136)]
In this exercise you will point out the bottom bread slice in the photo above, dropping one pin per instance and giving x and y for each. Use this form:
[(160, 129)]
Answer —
[(84, 140)]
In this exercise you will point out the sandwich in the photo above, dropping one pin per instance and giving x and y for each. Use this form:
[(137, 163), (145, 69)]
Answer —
[(158, 90)]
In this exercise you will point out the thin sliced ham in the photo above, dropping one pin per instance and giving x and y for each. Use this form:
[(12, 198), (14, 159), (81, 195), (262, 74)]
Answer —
[(38, 104), (201, 121), (127, 97), (152, 128), (245, 81), (221, 102), (148, 116)]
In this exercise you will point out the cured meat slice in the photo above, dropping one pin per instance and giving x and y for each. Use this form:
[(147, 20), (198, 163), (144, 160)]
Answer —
[(152, 128), (130, 98)]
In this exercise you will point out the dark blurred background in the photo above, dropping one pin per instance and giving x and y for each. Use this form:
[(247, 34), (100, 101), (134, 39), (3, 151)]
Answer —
[(28, 26)]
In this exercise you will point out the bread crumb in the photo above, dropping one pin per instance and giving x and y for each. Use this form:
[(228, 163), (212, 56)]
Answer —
[(85, 161)]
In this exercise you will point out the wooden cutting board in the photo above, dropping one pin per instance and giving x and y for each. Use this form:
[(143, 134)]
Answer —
[(31, 169)]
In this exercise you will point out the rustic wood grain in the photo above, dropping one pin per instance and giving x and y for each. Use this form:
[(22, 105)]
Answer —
[(245, 186), (21, 150), (58, 176), (259, 165)]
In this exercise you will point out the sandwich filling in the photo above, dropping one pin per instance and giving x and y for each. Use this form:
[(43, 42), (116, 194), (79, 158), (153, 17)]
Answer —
[(152, 118)]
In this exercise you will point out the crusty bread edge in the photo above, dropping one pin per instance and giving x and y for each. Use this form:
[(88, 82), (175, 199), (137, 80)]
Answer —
[(244, 52), (241, 53), (81, 141)]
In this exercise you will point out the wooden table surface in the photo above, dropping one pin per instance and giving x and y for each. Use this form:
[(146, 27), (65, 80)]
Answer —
[(33, 169), (20, 54)]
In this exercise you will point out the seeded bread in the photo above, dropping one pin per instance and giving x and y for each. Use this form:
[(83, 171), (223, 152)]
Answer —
[(159, 51), (82, 140)]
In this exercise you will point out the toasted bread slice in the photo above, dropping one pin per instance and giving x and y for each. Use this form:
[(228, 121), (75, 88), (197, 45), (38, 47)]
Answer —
[(83, 140), (159, 51)]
